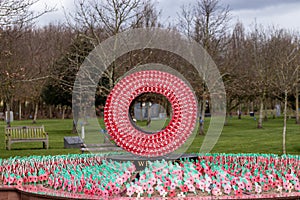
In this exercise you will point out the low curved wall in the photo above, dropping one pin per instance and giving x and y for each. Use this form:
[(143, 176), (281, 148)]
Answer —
[(22, 193)]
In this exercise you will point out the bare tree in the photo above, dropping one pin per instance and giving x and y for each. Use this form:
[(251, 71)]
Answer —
[(11, 61), (285, 46), (17, 12), (105, 18), (237, 78), (15, 18), (297, 87), (260, 65), (207, 23)]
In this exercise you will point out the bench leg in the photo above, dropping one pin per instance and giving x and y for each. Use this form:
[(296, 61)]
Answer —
[(45, 145), (9, 145)]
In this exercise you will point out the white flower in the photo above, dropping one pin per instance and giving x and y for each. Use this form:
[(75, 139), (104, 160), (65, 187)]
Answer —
[(279, 189), (139, 190), (164, 194), (181, 195)]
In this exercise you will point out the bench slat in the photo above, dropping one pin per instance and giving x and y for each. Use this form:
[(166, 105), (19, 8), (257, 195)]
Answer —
[(25, 134)]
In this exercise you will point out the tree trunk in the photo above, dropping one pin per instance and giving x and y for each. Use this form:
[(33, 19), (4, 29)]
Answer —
[(36, 109), (202, 116), (297, 105), (226, 119), (266, 112), (260, 120), (148, 114), (63, 112), (8, 114), (284, 122), (74, 130), (20, 110), (141, 113), (240, 112), (50, 112)]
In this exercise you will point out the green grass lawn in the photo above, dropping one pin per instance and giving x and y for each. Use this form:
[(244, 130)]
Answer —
[(239, 136)]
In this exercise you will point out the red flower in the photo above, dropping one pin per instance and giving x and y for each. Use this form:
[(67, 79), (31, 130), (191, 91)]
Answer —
[(238, 193), (41, 178), (116, 190), (167, 183), (92, 192), (266, 188), (74, 189), (172, 193), (288, 177), (30, 179), (257, 179), (232, 182), (112, 186), (86, 191), (98, 192), (166, 188), (25, 179), (19, 181), (79, 188), (274, 184), (270, 182), (184, 188)]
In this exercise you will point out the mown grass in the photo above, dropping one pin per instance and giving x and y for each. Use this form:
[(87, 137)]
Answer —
[(57, 130), (239, 136)]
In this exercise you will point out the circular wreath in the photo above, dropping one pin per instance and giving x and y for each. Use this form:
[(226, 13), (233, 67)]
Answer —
[(131, 139)]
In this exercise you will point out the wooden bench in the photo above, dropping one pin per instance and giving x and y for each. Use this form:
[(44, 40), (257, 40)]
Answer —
[(26, 134)]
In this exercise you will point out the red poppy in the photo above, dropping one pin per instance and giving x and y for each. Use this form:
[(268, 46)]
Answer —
[(167, 183), (116, 190), (172, 193), (274, 184), (98, 192), (30, 179), (25, 179), (92, 192), (19, 181), (74, 189), (86, 191), (233, 182), (184, 188), (112, 186), (166, 188), (238, 193), (288, 177), (266, 187), (79, 188), (270, 182)]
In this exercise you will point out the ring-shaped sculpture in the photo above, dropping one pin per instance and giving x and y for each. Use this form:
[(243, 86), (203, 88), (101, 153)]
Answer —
[(120, 127)]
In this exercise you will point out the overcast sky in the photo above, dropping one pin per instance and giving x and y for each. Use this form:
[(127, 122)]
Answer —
[(280, 13)]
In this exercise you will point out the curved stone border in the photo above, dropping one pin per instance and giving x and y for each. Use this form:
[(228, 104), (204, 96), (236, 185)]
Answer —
[(39, 192)]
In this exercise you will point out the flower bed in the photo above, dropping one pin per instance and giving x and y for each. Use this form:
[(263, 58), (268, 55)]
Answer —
[(219, 175)]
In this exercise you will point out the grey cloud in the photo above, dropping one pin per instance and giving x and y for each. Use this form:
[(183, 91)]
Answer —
[(255, 4)]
